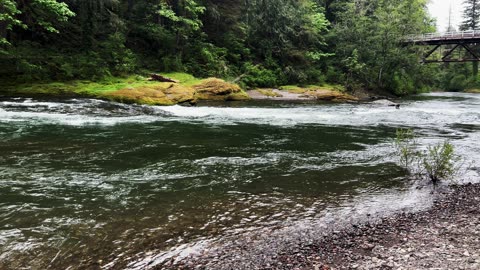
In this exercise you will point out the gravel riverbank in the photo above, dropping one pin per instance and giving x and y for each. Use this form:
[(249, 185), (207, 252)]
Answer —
[(446, 236)]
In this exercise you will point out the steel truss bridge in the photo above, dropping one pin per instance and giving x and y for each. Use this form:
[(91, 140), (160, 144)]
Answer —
[(447, 44)]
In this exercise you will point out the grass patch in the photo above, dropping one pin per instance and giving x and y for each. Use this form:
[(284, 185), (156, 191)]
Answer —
[(183, 78), (112, 84), (293, 89), (473, 91), (269, 93), (335, 87), (79, 87), (303, 89)]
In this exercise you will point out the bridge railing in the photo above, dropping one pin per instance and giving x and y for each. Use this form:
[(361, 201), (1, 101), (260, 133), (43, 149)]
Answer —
[(444, 36)]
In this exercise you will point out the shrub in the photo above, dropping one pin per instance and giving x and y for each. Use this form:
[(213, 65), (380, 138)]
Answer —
[(119, 58), (402, 84), (458, 83), (405, 145), (257, 76), (439, 162)]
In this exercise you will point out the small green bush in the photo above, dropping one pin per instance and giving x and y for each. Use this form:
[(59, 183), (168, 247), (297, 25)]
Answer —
[(120, 59), (405, 145), (257, 76), (458, 83), (439, 162), (403, 84)]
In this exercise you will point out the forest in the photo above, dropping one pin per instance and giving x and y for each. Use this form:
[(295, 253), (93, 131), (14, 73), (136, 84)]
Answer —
[(255, 43)]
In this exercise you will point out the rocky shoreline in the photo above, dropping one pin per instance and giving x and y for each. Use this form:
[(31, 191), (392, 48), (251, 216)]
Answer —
[(445, 236), (302, 94)]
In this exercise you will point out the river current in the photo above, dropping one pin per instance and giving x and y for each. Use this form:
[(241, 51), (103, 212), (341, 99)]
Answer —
[(89, 183)]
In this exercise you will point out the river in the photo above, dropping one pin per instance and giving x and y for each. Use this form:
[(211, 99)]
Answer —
[(89, 183)]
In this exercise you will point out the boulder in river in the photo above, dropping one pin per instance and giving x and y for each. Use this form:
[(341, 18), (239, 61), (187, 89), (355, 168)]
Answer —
[(217, 89), (386, 102), (161, 94), (330, 95)]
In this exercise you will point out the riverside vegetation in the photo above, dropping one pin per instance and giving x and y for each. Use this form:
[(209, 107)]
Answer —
[(96, 47), (438, 162)]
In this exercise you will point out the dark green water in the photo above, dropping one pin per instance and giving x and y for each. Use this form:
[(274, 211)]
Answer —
[(85, 183)]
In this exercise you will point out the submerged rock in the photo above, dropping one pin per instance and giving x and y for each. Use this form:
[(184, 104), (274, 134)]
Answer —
[(385, 102)]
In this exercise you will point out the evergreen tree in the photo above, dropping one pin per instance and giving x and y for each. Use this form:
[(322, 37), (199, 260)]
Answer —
[(263, 43), (471, 15)]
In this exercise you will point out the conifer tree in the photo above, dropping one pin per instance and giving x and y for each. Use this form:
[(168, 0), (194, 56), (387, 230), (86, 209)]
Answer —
[(471, 15)]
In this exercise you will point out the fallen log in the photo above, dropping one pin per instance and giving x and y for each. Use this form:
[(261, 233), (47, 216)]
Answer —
[(160, 78)]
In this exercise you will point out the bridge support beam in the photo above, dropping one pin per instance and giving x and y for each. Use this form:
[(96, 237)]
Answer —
[(470, 56), (470, 51), (445, 57), (430, 53)]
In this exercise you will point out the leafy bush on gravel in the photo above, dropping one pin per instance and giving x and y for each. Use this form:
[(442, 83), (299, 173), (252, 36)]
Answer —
[(436, 163)]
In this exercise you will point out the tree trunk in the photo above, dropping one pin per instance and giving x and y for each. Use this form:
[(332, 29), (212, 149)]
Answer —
[(475, 69), (3, 31)]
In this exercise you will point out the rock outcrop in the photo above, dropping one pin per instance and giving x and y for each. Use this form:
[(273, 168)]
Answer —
[(298, 93), (177, 93), (217, 89), (330, 95), (157, 94)]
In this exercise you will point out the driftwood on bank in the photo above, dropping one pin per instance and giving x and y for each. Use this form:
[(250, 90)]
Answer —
[(160, 78)]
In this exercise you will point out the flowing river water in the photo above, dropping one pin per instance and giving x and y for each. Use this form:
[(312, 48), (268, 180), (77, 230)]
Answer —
[(88, 184)]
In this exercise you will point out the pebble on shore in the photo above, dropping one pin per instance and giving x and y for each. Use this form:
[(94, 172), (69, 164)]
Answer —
[(446, 236)]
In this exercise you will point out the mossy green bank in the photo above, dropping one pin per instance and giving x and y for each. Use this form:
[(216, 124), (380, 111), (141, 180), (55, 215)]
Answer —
[(135, 89)]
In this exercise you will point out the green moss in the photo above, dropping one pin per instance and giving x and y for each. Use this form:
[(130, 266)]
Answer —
[(293, 89), (238, 96), (151, 95), (136, 89), (113, 84), (269, 93), (335, 87), (183, 78), (79, 87), (473, 91), (217, 89), (303, 89), (38, 89)]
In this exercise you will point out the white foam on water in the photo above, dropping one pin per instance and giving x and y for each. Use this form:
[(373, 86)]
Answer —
[(428, 113), (340, 115), (70, 120), (29, 103)]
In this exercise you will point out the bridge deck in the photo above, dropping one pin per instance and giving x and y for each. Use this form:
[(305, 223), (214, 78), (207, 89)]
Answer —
[(465, 37)]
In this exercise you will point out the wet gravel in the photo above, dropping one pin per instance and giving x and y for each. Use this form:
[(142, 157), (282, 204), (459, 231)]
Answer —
[(446, 236)]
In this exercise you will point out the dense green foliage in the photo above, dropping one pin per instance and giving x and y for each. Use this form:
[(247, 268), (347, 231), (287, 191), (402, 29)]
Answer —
[(368, 38), (257, 43)]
